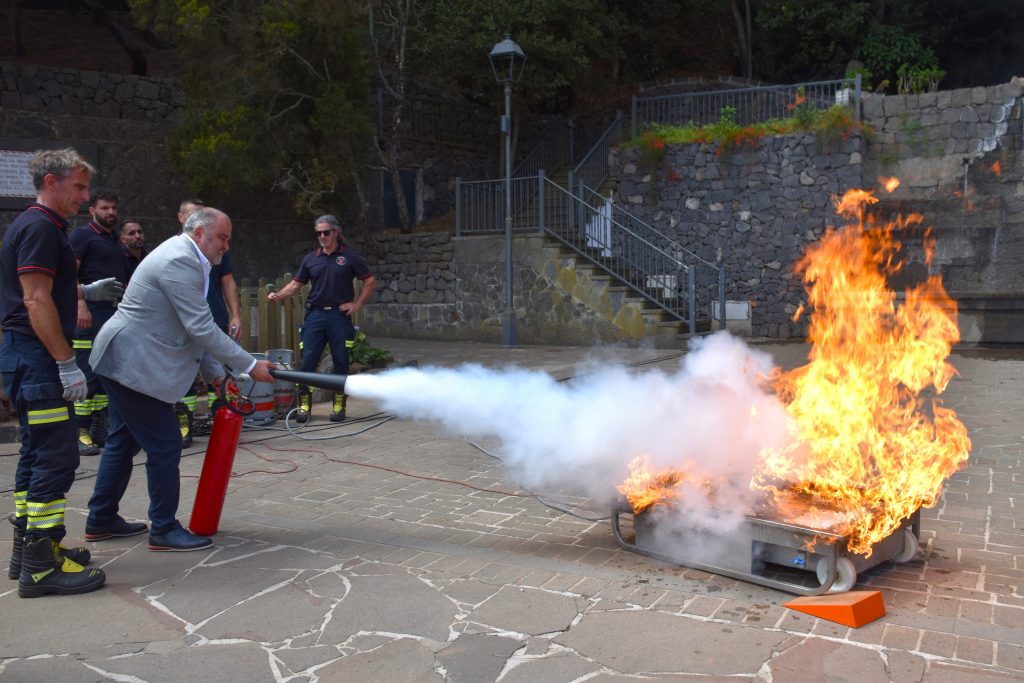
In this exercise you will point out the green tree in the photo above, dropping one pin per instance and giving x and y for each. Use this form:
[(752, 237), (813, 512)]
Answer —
[(278, 97)]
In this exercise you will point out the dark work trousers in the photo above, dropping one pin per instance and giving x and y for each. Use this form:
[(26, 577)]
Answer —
[(323, 327), (138, 422), (49, 444), (101, 312)]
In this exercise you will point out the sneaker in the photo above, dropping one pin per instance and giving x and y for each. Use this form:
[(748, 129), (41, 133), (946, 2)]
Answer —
[(305, 405), (338, 410), (86, 446), (44, 570), (119, 528), (178, 540)]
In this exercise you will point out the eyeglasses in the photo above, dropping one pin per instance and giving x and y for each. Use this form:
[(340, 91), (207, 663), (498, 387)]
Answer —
[(324, 232)]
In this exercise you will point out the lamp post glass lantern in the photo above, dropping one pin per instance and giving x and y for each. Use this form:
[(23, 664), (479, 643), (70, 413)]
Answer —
[(507, 62)]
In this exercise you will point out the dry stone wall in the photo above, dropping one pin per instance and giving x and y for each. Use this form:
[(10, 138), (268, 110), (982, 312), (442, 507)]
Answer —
[(91, 93), (754, 210)]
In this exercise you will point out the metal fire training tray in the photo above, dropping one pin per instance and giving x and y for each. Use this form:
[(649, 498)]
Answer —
[(767, 552)]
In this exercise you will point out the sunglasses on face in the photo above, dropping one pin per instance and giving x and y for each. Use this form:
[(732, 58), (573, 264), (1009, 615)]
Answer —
[(324, 232)]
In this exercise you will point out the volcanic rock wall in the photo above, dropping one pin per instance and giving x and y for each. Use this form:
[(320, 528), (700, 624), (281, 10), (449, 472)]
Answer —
[(958, 155), (755, 210)]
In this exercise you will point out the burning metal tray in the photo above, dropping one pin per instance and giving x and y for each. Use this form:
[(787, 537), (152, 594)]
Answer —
[(783, 555)]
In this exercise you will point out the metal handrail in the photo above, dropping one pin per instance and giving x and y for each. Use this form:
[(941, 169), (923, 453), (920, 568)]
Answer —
[(752, 105), (627, 249), (593, 169), (655, 266), (655, 234), (553, 150)]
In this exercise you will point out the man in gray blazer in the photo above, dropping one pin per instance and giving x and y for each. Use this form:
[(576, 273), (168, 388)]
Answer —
[(146, 356)]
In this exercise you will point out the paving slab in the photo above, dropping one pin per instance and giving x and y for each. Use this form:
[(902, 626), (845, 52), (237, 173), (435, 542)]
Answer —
[(374, 555)]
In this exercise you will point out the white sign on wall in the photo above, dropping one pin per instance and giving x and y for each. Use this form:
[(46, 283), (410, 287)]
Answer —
[(15, 180)]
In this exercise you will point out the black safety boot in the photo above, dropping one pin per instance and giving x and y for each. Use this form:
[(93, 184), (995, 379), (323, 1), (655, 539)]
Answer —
[(185, 422), (98, 428), (81, 555), (85, 443), (338, 412), (44, 570)]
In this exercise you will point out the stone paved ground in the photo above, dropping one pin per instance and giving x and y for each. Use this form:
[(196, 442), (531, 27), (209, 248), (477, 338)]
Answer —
[(343, 567)]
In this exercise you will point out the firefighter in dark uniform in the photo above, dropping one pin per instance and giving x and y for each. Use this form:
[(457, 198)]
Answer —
[(133, 238), (39, 292), (100, 255), (331, 269)]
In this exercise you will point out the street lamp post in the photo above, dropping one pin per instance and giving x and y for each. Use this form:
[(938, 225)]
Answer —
[(507, 61)]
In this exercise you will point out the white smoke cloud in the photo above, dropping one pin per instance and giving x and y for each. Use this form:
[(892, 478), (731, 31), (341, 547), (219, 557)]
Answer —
[(711, 415)]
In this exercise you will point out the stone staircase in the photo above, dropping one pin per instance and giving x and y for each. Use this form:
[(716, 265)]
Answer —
[(636, 317)]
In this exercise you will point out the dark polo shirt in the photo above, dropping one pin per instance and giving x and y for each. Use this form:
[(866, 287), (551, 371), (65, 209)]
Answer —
[(37, 242), (100, 254), (331, 276)]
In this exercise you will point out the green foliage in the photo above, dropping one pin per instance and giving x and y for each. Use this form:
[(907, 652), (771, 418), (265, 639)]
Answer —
[(367, 356), (727, 115), (829, 124), (886, 48), (865, 76), (279, 96), (918, 80), (808, 39)]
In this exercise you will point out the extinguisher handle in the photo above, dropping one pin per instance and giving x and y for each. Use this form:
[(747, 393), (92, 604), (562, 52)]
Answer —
[(235, 391)]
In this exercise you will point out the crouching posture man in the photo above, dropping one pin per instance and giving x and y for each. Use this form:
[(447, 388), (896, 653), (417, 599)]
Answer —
[(38, 307), (146, 356)]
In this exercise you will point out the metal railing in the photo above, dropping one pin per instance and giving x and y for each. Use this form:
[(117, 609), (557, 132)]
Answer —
[(751, 105), (593, 169), (480, 205), (656, 266), (554, 149)]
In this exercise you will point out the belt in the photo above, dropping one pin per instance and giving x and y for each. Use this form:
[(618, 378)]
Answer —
[(321, 308)]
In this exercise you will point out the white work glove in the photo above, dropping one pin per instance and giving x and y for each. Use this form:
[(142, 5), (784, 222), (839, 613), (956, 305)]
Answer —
[(107, 289), (73, 379)]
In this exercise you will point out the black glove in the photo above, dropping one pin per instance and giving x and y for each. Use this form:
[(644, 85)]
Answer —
[(107, 289)]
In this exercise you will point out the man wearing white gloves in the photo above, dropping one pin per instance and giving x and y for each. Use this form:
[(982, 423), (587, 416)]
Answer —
[(38, 309)]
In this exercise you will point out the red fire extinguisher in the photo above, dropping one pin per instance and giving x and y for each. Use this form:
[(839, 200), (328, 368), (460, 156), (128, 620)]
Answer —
[(220, 456)]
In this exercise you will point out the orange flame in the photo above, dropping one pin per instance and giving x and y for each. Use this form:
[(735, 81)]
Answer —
[(890, 184), (997, 168), (874, 439), (880, 442)]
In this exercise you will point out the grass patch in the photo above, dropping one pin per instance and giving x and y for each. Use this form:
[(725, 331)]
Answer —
[(830, 125)]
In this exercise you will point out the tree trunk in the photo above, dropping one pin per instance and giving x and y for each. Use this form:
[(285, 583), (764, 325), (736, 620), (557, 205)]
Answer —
[(742, 20), (123, 36), (19, 47)]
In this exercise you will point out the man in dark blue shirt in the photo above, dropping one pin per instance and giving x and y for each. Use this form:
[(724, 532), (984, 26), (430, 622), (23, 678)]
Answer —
[(39, 292), (133, 238), (331, 270), (100, 255)]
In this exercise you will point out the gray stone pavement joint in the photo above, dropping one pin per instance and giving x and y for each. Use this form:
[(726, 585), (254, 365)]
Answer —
[(346, 572)]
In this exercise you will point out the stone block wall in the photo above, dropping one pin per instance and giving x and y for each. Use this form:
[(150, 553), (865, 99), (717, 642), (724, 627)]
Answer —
[(440, 287), (754, 210), (928, 140), (91, 93)]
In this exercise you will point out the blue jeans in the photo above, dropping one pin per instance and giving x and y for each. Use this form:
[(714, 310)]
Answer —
[(49, 441), (138, 422), (322, 328)]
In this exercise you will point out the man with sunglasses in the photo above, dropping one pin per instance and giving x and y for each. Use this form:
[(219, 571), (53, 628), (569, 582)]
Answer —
[(331, 271)]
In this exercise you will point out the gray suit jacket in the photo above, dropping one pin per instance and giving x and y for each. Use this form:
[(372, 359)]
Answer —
[(163, 331)]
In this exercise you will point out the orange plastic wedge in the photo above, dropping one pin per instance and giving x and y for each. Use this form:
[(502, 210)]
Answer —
[(853, 609)]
